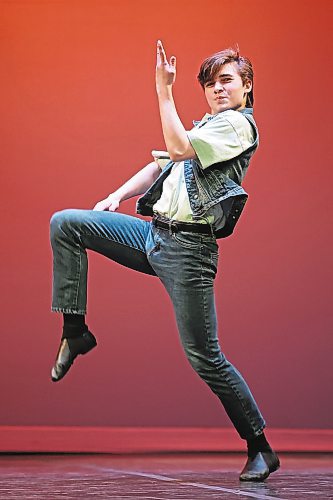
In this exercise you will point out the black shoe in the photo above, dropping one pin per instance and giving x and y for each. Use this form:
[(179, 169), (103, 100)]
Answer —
[(68, 350), (259, 467)]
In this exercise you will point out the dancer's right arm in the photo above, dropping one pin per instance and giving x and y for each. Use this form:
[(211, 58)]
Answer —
[(138, 184)]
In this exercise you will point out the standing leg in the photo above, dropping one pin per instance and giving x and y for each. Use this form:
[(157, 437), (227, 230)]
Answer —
[(187, 263)]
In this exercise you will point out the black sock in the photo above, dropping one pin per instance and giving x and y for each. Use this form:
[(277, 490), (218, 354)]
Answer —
[(74, 326), (256, 444)]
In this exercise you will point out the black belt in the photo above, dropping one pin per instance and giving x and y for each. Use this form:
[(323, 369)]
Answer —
[(174, 226)]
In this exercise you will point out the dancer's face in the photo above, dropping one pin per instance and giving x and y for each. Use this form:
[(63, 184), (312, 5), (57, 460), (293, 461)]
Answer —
[(226, 90)]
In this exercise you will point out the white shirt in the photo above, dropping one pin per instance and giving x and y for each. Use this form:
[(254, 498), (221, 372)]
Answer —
[(215, 138)]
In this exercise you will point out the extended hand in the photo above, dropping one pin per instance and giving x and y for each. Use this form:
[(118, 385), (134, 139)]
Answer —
[(111, 203), (165, 71)]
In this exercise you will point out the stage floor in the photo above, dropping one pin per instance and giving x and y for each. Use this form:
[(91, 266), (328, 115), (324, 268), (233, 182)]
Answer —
[(160, 477)]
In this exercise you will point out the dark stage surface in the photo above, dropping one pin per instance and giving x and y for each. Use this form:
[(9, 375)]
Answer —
[(160, 477)]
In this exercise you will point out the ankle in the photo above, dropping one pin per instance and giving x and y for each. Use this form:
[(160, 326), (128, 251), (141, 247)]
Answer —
[(74, 326), (257, 444)]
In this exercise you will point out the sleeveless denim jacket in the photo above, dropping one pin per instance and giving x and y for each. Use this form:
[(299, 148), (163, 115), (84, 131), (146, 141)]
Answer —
[(218, 183)]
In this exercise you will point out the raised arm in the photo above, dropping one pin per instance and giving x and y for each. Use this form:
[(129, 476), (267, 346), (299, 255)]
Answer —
[(175, 137), (138, 184)]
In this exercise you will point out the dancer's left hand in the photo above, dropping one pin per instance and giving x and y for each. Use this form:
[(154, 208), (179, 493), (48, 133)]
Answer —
[(165, 70)]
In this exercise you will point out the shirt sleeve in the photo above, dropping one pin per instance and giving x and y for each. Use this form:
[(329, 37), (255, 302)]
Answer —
[(163, 160), (225, 136)]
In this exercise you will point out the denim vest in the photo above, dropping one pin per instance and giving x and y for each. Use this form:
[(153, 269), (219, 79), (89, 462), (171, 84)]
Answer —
[(218, 183)]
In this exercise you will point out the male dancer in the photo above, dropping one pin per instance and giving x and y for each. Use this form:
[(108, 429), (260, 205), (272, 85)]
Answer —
[(194, 197)]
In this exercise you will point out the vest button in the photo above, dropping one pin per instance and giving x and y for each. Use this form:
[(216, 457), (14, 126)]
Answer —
[(195, 196)]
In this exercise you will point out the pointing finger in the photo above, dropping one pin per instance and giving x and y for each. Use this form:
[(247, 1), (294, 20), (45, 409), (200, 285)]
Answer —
[(161, 52)]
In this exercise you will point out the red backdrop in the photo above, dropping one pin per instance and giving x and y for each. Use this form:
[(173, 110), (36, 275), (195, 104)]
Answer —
[(78, 117)]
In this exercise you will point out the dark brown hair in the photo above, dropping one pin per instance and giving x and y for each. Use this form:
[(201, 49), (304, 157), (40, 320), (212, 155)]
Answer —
[(212, 65)]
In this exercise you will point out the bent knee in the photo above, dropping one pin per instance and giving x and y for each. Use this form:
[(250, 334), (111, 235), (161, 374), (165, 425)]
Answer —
[(64, 219), (204, 361)]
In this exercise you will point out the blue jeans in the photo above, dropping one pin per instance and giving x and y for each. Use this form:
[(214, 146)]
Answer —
[(186, 263)]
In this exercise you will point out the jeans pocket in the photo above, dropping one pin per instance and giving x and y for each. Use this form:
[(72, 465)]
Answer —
[(210, 243), (214, 259), (210, 251), (188, 240)]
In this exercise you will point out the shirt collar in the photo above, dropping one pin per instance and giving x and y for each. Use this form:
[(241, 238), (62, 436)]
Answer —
[(207, 116), (203, 120)]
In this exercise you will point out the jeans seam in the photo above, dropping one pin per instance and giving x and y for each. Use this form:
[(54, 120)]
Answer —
[(204, 304), (78, 276), (246, 412)]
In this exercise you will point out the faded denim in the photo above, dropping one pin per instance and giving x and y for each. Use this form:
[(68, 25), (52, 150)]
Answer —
[(186, 264)]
